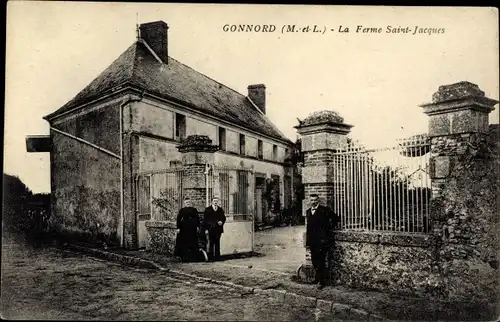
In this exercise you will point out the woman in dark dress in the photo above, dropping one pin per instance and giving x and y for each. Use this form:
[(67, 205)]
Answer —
[(188, 227)]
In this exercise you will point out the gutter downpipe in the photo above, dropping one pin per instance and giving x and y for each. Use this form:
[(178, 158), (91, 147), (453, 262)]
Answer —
[(122, 217)]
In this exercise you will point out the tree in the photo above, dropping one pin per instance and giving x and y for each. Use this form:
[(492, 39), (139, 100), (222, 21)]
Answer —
[(25, 213), (15, 191), (295, 155)]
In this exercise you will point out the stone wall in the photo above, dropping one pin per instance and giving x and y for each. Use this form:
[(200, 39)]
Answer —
[(161, 237), (193, 184), (150, 119), (465, 212), (86, 181), (96, 124), (200, 127), (157, 154), (392, 262), (251, 146), (267, 150), (232, 141)]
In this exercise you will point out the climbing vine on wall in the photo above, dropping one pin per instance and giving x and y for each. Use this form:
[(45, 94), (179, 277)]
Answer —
[(168, 202)]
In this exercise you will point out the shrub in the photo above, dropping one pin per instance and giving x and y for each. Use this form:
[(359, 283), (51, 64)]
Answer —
[(168, 203)]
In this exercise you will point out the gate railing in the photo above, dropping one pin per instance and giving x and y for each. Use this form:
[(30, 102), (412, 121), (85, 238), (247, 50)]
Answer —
[(234, 188), (386, 189), (164, 184)]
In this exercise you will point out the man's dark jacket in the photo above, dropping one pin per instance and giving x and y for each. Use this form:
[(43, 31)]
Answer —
[(320, 226), (210, 219)]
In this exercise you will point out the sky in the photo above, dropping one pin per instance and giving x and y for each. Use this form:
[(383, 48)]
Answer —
[(374, 80)]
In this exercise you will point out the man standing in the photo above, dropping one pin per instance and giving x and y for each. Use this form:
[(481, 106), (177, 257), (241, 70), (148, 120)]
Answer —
[(213, 223), (320, 222), (188, 226)]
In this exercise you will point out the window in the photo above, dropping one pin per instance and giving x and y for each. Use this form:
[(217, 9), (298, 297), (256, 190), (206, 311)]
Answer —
[(222, 138), (240, 199), (242, 144), (275, 152), (180, 127), (260, 153), (224, 191)]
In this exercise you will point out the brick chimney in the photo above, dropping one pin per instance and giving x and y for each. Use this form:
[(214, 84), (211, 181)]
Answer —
[(257, 94), (155, 34)]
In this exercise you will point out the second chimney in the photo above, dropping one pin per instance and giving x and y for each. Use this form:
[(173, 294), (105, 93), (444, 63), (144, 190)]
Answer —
[(257, 94), (155, 34)]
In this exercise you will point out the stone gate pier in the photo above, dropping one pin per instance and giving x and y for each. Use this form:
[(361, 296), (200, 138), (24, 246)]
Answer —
[(323, 133)]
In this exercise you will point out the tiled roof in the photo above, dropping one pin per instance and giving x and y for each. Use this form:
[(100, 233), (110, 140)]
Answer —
[(138, 67)]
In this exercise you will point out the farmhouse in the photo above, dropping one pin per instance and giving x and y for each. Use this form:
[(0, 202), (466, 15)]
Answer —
[(108, 143)]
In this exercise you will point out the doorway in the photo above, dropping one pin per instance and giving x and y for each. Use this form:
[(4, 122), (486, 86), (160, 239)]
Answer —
[(260, 205)]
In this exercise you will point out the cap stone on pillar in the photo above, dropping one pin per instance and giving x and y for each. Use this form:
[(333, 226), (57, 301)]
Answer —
[(197, 149), (323, 133), (458, 108), (319, 128)]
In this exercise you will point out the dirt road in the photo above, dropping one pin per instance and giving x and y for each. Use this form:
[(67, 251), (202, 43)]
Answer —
[(57, 285)]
